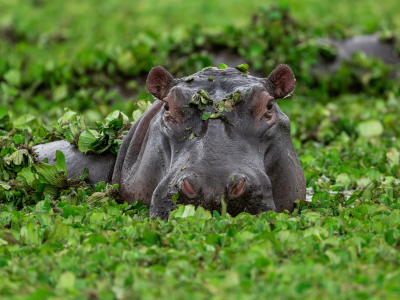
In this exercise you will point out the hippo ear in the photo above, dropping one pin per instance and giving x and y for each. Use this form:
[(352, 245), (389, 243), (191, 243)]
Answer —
[(158, 82), (283, 81)]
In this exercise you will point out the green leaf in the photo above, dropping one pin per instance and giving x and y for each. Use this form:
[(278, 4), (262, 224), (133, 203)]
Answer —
[(86, 139), (223, 66), (60, 93), (18, 139), (190, 78), (224, 206), (66, 281), (13, 77), (52, 175), (58, 234), (175, 197), (23, 119), (60, 158), (243, 68), (370, 128), (206, 115), (4, 185)]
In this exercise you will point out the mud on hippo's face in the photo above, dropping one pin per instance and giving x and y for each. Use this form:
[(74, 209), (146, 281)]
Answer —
[(211, 136)]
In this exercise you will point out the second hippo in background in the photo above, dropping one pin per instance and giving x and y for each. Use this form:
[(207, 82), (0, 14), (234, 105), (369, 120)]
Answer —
[(372, 45)]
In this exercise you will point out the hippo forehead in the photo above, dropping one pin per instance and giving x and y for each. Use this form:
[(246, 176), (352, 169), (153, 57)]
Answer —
[(224, 82)]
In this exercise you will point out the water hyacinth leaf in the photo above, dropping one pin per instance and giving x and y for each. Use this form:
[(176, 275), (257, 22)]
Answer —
[(243, 68), (224, 206), (97, 197), (207, 68), (60, 93), (190, 78), (86, 139), (60, 158), (136, 114), (4, 185), (17, 157), (13, 77), (3, 112), (51, 191), (58, 234), (215, 116), (68, 116), (393, 157), (52, 175), (118, 115), (236, 97), (18, 139), (205, 95), (370, 128), (27, 175), (223, 66), (144, 105), (24, 119), (206, 115), (202, 214), (66, 281)]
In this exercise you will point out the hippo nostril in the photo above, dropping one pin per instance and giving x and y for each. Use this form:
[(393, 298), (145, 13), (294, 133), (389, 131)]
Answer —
[(186, 186), (239, 188)]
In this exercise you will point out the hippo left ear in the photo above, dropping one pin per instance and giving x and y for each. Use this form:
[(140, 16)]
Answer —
[(282, 79), (158, 82)]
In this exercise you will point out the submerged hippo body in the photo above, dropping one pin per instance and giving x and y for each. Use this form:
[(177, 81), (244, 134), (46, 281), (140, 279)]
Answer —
[(246, 156), (371, 45)]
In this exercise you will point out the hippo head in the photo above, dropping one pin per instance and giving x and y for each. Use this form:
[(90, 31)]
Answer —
[(216, 135)]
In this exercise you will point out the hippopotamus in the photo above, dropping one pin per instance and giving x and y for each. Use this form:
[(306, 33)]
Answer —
[(371, 45), (215, 137)]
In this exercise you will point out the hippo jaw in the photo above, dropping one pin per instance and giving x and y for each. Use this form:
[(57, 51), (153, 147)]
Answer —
[(241, 157)]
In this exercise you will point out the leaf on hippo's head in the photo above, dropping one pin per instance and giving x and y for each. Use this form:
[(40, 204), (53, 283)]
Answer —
[(243, 68), (223, 66), (216, 116), (209, 67), (222, 105), (206, 115), (236, 97), (190, 78), (200, 99), (204, 94)]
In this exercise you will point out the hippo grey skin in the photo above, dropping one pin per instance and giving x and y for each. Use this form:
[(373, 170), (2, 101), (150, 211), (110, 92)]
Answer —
[(248, 157)]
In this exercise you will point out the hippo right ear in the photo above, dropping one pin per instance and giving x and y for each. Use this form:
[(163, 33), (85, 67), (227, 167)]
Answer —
[(282, 79), (159, 82)]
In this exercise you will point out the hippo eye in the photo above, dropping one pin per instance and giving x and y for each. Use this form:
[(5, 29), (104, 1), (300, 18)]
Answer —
[(166, 106), (270, 106)]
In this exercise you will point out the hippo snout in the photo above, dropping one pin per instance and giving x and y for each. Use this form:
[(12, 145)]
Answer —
[(235, 185), (241, 192)]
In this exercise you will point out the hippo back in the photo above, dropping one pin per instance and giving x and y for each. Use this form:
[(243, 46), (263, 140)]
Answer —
[(100, 166)]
